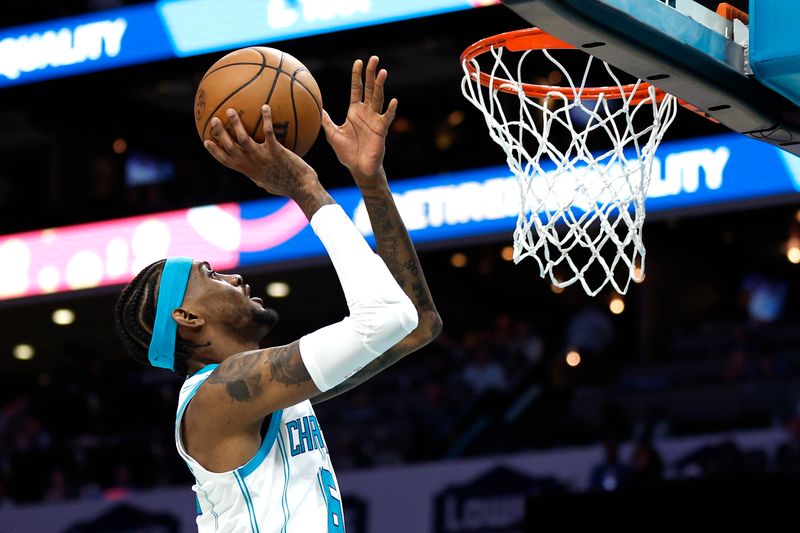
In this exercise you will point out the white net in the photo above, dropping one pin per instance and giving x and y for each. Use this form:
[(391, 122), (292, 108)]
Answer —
[(583, 166)]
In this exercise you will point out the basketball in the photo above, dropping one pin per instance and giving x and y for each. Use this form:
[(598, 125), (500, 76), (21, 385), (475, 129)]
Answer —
[(248, 78)]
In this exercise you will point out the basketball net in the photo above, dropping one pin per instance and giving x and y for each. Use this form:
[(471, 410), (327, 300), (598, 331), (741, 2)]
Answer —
[(582, 155)]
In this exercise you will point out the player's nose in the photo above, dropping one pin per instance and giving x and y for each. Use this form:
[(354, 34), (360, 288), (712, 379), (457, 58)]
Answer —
[(235, 279)]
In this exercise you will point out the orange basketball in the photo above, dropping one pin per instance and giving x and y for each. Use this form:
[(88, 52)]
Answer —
[(248, 78)]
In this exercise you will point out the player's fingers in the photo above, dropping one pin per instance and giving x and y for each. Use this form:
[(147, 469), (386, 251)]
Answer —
[(266, 118), (235, 124), (356, 87), (217, 152), (391, 112), (377, 95), (221, 136), (328, 125), (369, 84)]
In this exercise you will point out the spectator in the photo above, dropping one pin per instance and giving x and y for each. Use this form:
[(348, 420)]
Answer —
[(739, 365), (590, 331), (712, 460), (654, 426), (59, 489), (646, 464), (788, 456), (764, 298), (526, 344), (609, 475), (484, 374)]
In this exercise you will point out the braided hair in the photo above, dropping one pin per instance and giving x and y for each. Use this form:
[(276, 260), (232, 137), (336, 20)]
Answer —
[(135, 314)]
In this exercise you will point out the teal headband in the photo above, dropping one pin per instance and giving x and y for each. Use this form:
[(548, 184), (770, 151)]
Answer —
[(174, 279)]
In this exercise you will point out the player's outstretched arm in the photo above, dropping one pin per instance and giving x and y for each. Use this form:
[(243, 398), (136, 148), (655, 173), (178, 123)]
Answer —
[(359, 144), (250, 385)]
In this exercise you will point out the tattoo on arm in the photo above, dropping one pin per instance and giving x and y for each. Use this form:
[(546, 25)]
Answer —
[(286, 365), (412, 267), (378, 365), (394, 246), (242, 377), (420, 294), (238, 374), (388, 250), (378, 209)]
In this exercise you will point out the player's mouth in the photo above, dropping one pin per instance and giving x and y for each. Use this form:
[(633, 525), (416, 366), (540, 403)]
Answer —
[(256, 299)]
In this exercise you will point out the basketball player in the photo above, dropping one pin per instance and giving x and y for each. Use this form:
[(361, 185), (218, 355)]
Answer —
[(245, 425)]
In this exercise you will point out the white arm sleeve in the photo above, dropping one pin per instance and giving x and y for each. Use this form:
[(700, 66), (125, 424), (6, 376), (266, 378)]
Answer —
[(381, 314)]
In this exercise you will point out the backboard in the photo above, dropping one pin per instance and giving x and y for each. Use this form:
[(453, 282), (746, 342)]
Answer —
[(683, 48)]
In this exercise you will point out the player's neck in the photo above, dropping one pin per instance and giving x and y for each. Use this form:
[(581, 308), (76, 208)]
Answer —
[(217, 352)]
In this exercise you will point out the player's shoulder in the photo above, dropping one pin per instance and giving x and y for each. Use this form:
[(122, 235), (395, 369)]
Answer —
[(192, 383)]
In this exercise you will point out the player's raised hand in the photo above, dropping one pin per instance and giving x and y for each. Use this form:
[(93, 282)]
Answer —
[(360, 143), (269, 165)]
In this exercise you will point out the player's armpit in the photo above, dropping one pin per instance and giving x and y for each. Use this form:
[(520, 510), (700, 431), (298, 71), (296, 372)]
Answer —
[(245, 388)]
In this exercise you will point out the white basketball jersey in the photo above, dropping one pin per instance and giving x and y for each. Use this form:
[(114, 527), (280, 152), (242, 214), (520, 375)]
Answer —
[(287, 487)]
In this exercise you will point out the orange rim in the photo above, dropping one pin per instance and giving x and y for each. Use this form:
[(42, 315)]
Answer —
[(537, 39)]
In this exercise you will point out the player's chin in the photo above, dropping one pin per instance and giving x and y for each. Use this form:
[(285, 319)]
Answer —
[(263, 315)]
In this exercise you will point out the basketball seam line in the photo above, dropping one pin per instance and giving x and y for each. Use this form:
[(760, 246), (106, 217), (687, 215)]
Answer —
[(294, 109), (303, 85), (211, 115), (236, 65), (278, 72), (256, 50)]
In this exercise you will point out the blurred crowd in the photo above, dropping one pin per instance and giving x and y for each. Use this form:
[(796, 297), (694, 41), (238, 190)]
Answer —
[(497, 389)]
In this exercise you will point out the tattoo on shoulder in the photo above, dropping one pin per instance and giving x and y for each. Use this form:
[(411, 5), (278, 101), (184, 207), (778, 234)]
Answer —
[(241, 381), (286, 365), (242, 378)]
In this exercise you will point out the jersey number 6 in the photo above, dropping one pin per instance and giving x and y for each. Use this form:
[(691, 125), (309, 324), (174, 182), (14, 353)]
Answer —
[(333, 498)]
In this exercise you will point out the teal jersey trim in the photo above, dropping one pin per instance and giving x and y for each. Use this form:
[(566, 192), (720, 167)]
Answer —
[(266, 445), (286, 473), (211, 507), (207, 368), (248, 501)]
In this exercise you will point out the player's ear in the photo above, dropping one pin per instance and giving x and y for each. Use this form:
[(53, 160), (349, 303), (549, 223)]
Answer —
[(187, 319)]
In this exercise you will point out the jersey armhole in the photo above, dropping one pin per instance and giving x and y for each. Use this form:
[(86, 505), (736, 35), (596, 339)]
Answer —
[(267, 441)]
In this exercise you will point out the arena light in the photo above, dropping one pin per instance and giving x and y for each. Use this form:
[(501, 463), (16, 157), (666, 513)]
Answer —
[(120, 146), (793, 254), (455, 118), (458, 260), (616, 305), (24, 352), (573, 358), (63, 317), (278, 289), (507, 253)]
